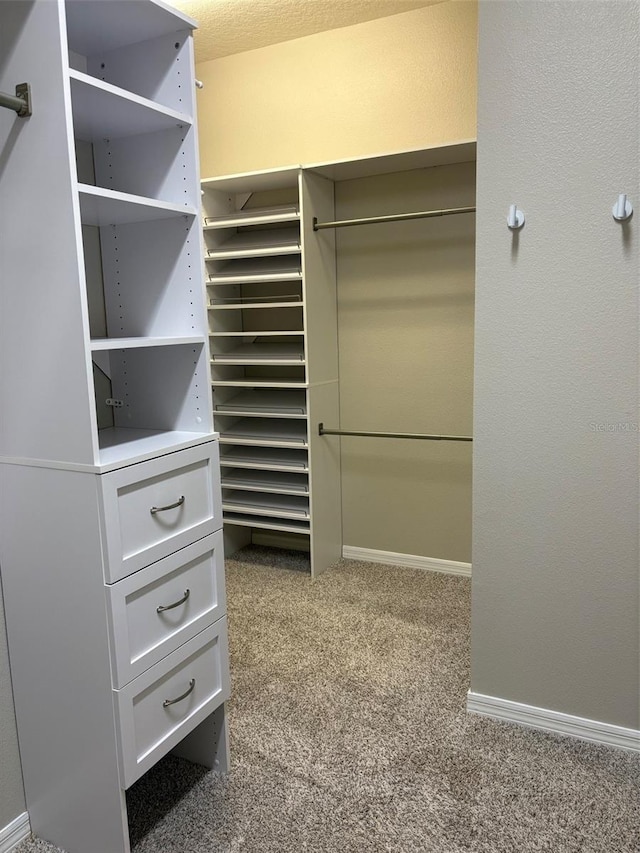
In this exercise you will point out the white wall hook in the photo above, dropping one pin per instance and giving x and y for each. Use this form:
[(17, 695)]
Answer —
[(515, 219), (199, 84), (622, 209)]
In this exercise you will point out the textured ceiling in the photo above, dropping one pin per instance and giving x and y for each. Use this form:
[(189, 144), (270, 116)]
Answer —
[(233, 26)]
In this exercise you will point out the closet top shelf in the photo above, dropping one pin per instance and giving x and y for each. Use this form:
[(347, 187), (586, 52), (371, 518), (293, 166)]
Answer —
[(259, 216), (93, 28), (101, 110)]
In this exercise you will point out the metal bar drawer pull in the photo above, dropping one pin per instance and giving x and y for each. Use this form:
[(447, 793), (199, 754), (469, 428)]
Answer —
[(162, 607), (155, 509), (168, 702)]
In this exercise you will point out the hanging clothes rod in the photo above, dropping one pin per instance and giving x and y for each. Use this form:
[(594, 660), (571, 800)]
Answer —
[(394, 217), (21, 103), (417, 435)]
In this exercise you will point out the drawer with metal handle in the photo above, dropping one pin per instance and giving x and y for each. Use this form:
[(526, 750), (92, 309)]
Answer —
[(160, 707), (156, 507), (156, 610)]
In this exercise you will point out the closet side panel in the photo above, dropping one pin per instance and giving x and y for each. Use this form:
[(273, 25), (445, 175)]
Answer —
[(42, 323), (321, 342), (406, 304), (556, 480)]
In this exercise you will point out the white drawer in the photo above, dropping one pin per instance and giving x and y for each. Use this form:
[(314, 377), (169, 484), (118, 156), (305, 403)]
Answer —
[(157, 507), (155, 610), (194, 680)]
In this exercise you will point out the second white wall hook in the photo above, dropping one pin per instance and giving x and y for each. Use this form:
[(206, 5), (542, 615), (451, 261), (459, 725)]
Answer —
[(622, 209), (515, 219)]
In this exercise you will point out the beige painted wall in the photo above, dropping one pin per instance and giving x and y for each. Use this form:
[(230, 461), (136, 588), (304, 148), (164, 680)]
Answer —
[(556, 621), (405, 324), (402, 82)]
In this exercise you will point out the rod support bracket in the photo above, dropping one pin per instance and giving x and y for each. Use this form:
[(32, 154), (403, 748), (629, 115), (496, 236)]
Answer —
[(315, 228), (320, 429), (23, 91)]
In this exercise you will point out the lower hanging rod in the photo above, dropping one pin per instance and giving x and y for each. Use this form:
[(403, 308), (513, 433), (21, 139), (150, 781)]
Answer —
[(416, 435), (394, 217), (20, 103)]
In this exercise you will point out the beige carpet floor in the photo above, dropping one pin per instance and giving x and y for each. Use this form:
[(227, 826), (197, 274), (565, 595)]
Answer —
[(349, 733)]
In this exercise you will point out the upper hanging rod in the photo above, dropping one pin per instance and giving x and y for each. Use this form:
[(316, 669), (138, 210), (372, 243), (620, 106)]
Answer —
[(418, 435), (394, 217), (21, 103)]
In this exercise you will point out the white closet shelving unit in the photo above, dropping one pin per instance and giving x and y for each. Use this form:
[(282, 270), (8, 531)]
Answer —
[(274, 366), (110, 507)]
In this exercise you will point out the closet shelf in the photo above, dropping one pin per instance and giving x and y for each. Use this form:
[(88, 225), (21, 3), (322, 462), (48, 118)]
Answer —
[(260, 244), (278, 482), (292, 300), (101, 110), (120, 445), (267, 504), (271, 334), (265, 459), (261, 353), (98, 344), (93, 28), (266, 433), (261, 381), (257, 270), (265, 401), (259, 216), (99, 206), (260, 522)]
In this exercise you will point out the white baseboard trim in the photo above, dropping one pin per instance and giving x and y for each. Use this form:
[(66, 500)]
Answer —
[(410, 561), (554, 721), (15, 832)]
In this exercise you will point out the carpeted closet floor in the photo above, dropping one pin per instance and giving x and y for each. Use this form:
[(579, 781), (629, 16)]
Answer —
[(349, 733)]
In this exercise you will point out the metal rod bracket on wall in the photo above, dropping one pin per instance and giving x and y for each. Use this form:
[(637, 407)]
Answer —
[(20, 103), (415, 435)]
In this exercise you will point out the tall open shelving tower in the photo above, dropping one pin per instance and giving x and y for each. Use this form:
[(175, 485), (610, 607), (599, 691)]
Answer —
[(110, 511), (271, 286)]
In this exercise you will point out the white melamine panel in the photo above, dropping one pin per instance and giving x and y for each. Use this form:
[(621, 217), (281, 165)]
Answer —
[(265, 458), (319, 268), (259, 353), (45, 380), (264, 432), (92, 26), (402, 161), (99, 206), (223, 381), (267, 504), (60, 665), (263, 522), (279, 482), (256, 244), (264, 180), (220, 303), (325, 477), (256, 401), (163, 388), (258, 270), (148, 727), (264, 216), (136, 343), (158, 165), (101, 111), (140, 635), (136, 537), (121, 446), (152, 283), (159, 69)]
